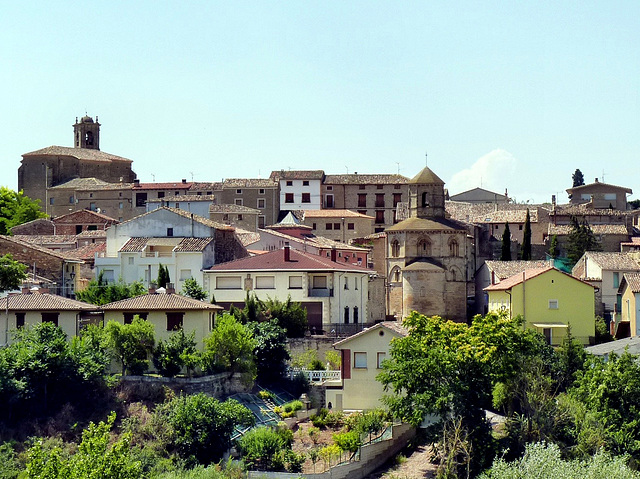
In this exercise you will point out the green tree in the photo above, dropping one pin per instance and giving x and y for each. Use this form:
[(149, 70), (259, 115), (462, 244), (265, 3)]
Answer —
[(229, 348), (526, 241), (12, 273), (169, 357), (554, 250), (163, 276), (97, 457), (101, 292), (131, 344), (580, 240), (192, 288), (291, 316), (578, 178), (506, 244), (201, 426), (271, 353), (16, 209), (261, 446)]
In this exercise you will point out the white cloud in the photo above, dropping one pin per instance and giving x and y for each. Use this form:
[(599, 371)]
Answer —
[(494, 171)]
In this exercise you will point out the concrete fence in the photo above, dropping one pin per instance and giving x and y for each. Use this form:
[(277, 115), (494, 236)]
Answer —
[(216, 385)]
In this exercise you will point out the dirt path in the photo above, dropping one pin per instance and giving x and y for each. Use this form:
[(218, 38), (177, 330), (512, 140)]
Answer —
[(415, 465)]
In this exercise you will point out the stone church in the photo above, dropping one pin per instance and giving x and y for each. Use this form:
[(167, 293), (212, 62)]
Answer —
[(429, 257), (54, 165)]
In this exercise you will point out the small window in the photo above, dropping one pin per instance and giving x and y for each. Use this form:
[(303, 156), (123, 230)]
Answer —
[(50, 318), (265, 282), (160, 194), (261, 203), (238, 201), (379, 216), (289, 183), (520, 227), (288, 197), (120, 194), (329, 188), (121, 205), (336, 226), (328, 226), (128, 317), (71, 199), (238, 191), (169, 231), (355, 284), (91, 195), (262, 221), (305, 182), (553, 304), (174, 321), (313, 226), (295, 282), (355, 314), (130, 259), (185, 274), (319, 282), (346, 283), (229, 282), (261, 191), (51, 200), (20, 320), (362, 187), (616, 279), (381, 357), (346, 315), (141, 199), (240, 217), (360, 360), (379, 187), (306, 197), (362, 200), (351, 226)]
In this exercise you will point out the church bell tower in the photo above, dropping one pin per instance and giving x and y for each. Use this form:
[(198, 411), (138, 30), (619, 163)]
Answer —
[(86, 133)]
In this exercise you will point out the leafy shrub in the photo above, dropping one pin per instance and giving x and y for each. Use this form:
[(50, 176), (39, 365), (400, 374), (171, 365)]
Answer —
[(263, 448), (348, 441), (131, 344), (169, 357), (316, 365), (263, 394), (9, 467)]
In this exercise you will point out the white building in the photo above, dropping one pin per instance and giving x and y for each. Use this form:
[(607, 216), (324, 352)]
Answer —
[(299, 190)]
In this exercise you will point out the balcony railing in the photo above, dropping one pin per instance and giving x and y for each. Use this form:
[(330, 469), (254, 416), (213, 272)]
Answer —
[(158, 254), (321, 292), (316, 377)]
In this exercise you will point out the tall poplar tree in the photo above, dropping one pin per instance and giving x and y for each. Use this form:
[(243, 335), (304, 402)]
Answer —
[(526, 241), (506, 244)]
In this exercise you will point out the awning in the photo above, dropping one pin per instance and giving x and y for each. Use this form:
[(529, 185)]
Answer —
[(550, 325)]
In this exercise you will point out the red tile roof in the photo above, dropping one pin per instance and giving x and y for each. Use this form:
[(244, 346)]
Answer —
[(162, 186), (159, 301), (334, 214), (274, 261), (393, 326), (516, 279), (79, 153), (44, 302)]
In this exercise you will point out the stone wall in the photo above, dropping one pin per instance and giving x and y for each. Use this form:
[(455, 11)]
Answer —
[(217, 385), (49, 266), (228, 247), (321, 344), (41, 226)]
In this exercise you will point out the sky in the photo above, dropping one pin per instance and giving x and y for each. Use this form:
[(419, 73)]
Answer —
[(499, 95)]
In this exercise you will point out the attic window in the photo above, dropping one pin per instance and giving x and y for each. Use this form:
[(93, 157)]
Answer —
[(553, 304), (169, 231)]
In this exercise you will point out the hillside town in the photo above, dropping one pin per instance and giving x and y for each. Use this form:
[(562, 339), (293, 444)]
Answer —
[(368, 258)]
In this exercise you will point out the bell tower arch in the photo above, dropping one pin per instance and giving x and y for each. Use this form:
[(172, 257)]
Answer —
[(86, 133)]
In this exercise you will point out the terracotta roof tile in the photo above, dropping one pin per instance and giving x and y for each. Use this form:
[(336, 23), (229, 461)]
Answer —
[(633, 280), (178, 185), (87, 252), (159, 301), (505, 269), (70, 218), (423, 224), (44, 302), (528, 274), (92, 234), (394, 326), (79, 153), (185, 198), (313, 240), (297, 175), (577, 189), (136, 245), (586, 210), (39, 248), (249, 183), (561, 230), (47, 239), (188, 215), (274, 261), (334, 214), (357, 179), (227, 208), (614, 261)]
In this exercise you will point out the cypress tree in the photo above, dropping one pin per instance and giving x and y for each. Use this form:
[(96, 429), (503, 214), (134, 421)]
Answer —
[(506, 244), (163, 276), (554, 250), (526, 241)]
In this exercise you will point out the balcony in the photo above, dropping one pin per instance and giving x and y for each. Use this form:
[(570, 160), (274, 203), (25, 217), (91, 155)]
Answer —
[(321, 293), (315, 377)]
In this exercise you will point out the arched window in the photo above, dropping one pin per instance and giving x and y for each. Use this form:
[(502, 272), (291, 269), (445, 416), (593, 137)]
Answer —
[(346, 315), (355, 314), (424, 247), (425, 199), (396, 277), (89, 138), (454, 250), (395, 249), (453, 274)]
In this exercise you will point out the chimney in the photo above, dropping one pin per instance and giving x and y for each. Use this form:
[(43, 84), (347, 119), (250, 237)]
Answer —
[(553, 201), (334, 254), (184, 181), (596, 180), (170, 288), (152, 288), (287, 251), (136, 182)]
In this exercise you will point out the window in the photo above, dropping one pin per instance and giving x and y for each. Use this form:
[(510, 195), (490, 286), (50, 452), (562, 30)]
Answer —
[(547, 334), (362, 212), (289, 183), (553, 304), (160, 194), (262, 204), (305, 182), (177, 205), (51, 200), (265, 282), (396, 187), (128, 317), (228, 282), (520, 227), (328, 226), (355, 313), (346, 283), (130, 259), (380, 200), (20, 320), (362, 200), (329, 188), (362, 187), (379, 216), (395, 249), (141, 199), (396, 275), (346, 315), (90, 195), (238, 191), (288, 197), (238, 201), (295, 282), (120, 194), (381, 357), (360, 360), (454, 249), (169, 231), (121, 205), (71, 200), (185, 274), (328, 201), (313, 226), (261, 191), (50, 318), (240, 217), (336, 226), (425, 199), (306, 197), (319, 282), (424, 247), (610, 196), (397, 198), (616, 279), (262, 221), (174, 321), (351, 226)]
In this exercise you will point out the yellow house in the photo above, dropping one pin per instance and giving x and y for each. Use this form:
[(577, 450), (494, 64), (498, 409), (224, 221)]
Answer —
[(167, 311), (38, 306), (629, 293), (362, 356), (550, 301)]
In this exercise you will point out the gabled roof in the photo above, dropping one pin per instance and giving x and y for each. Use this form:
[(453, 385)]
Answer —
[(47, 239), (185, 198), (163, 186), (505, 269), (614, 261), (512, 216), (185, 214), (249, 183), (394, 327), (297, 175), (69, 217), (274, 261), (633, 280), (357, 179), (159, 301), (424, 224), (313, 240), (598, 184), (516, 279), (561, 230), (87, 252), (480, 193), (40, 249), (228, 208), (135, 245), (90, 184), (334, 214), (79, 153), (44, 302), (426, 177)]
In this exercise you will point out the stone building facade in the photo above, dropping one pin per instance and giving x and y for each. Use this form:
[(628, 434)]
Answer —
[(259, 193), (429, 257), (338, 225)]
